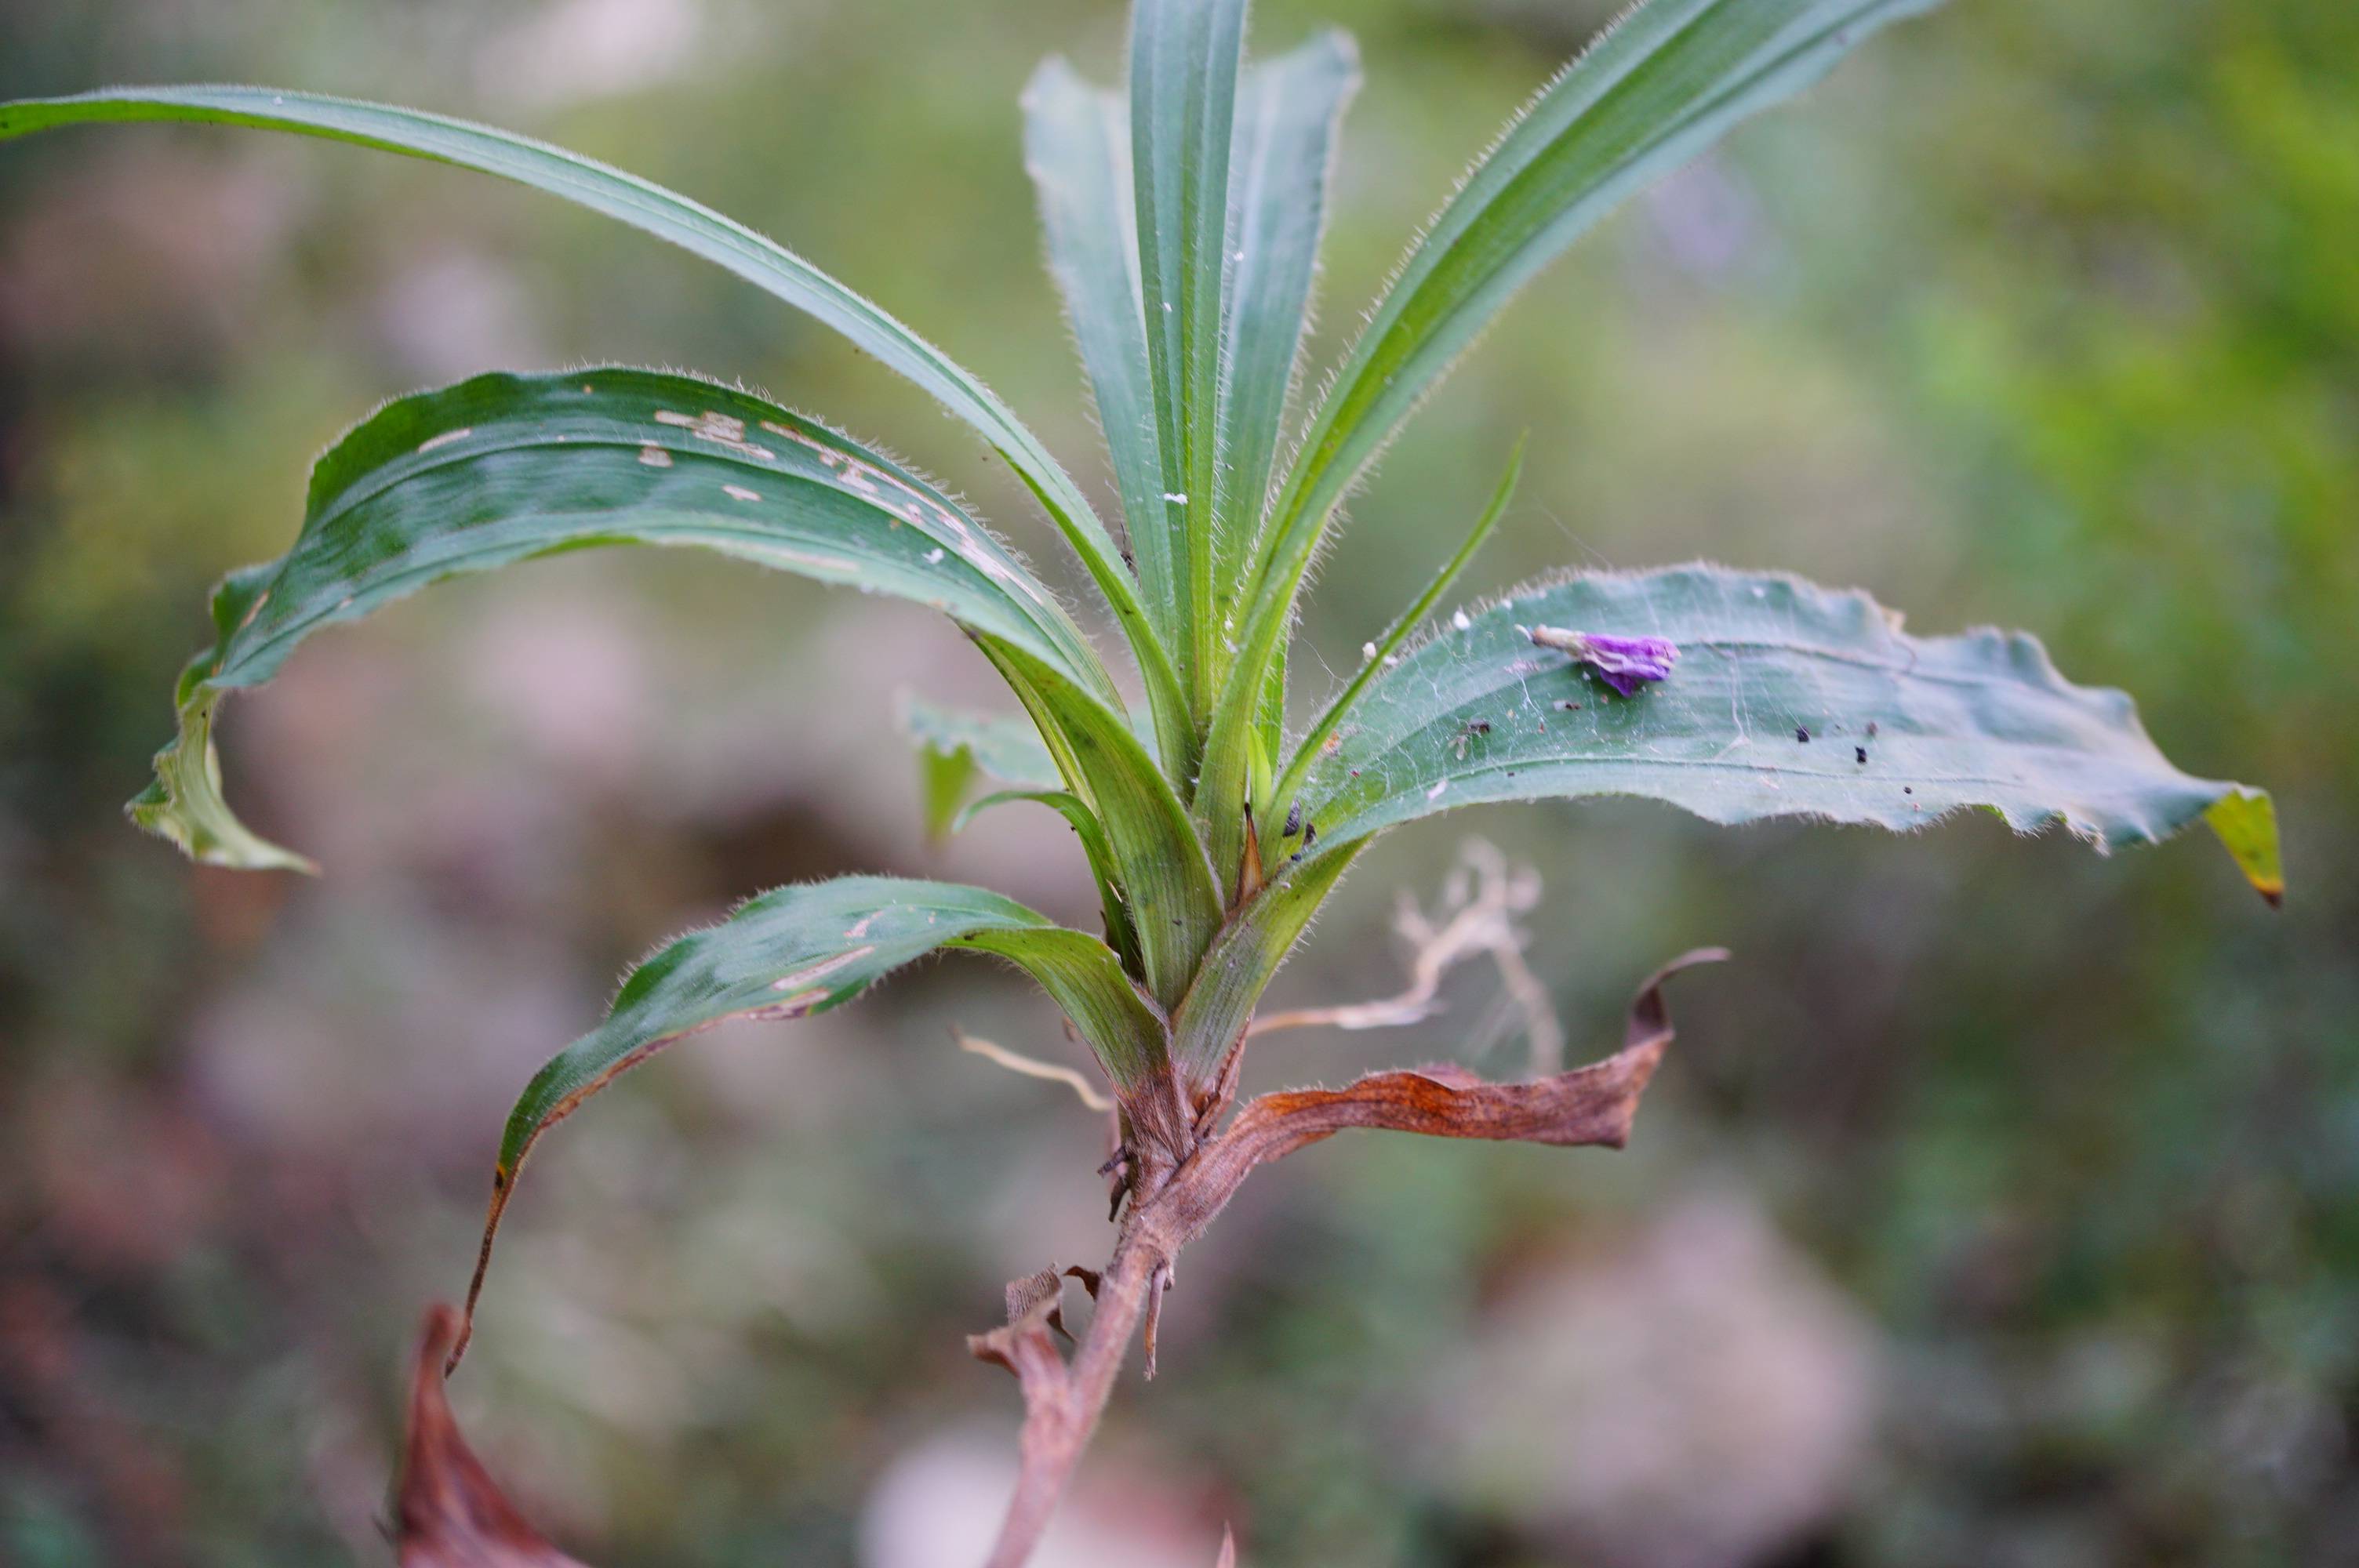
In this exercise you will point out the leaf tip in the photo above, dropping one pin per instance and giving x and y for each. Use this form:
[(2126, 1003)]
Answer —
[(2246, 821)]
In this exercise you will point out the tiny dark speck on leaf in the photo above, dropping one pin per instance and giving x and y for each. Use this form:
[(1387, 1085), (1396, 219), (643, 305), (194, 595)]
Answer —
[(1859, 752), (1908, 789), (1801, 735)]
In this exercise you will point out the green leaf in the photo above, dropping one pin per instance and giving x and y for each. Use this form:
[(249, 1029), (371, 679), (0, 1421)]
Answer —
[(952, 747), (2246, 822), (1105, 869), (1665, 81), (1377, 655), (693, 227), (1185, 56), (1077, 150), (1211, 1018), (1289, 111), (504, 467), (803, 950), (1159, 861), (1787, 700)]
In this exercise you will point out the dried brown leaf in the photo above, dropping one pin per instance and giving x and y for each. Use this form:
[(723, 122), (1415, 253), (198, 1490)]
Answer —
[(1591, 1105), (452, 1515)]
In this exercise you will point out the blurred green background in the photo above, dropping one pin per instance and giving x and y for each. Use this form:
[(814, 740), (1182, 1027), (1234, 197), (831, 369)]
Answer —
[(1996, 1208)]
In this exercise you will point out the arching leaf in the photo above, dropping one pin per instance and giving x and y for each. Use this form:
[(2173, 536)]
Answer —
[(803, 950), (503, 468), (693, 227), (1665, 80), (1786, 699)]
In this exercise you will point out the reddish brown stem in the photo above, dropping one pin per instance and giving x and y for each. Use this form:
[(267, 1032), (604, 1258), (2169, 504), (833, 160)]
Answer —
[(1062, 1408), (1176, 1189)]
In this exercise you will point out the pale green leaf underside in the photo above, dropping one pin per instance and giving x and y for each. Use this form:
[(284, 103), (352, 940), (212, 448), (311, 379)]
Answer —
[(503, 468), (1007, 748), (1247, 956), (689, 224), (1980, 719)]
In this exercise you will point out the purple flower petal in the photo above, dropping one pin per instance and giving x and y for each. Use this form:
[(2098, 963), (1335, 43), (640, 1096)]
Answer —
[(1622, 663)]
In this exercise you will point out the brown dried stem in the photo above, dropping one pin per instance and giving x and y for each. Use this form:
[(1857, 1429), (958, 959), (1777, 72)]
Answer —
[(1591, 1105)]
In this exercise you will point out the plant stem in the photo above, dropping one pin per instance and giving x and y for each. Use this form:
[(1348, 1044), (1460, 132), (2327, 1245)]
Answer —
[(1060, 1420)]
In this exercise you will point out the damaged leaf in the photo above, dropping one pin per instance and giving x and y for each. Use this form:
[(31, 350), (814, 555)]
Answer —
[(803, 950), (502, 468), (689, 224), (1593, 1105), (449, 1511), (1766, 661)]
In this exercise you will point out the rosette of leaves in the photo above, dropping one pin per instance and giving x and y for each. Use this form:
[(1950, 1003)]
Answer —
[(1183, 213)]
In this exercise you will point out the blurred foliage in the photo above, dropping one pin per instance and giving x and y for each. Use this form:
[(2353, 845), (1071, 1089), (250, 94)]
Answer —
[(2045, 1169)]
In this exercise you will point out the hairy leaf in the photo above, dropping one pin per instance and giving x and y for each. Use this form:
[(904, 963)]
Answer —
[(1667, 79), (803, 950), (1787, 700), (1377, 654), (1160, 862), (504, 467), (1289, 111), (695, 228), (1106, 869), (1185, 56), (1077, 150), (1210, 1020)]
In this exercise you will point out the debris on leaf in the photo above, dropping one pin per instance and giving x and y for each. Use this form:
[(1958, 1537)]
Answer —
[(1621, 663)]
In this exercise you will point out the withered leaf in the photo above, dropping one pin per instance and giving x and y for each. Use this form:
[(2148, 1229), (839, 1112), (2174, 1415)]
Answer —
[(1591, 1105), (452, 1515)]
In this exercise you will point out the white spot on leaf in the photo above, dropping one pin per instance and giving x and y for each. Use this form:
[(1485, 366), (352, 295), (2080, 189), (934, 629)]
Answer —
[(804, 977)]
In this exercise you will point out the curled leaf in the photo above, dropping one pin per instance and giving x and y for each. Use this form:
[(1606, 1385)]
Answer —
[(801, 950), (1591, 1105), (452, 1515)]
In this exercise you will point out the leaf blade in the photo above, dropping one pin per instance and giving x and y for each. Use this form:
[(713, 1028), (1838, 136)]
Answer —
[(503, 468), (1288, 119), (1185, 58), (691, 226), (1477, 713), (1160, 864), (807, 950), (1655, 89), (1077, 151)]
